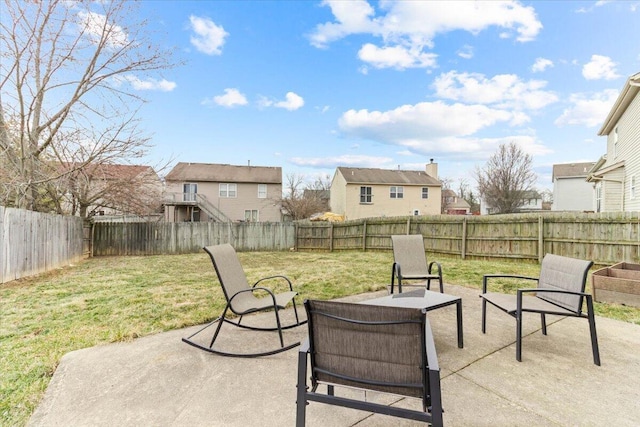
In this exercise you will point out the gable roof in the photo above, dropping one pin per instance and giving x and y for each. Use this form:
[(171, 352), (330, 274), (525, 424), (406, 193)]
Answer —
[(213, 172), (387, 176), (628, 93), (571, 170)]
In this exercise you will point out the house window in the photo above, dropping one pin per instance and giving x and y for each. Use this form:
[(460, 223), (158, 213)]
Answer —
[(632, 187), (365, 195), (228, 190), (262, 191), (189, 192), (425, 192), (416, 212), (599, 197), (396, 192), (615, 142), (251, 215)]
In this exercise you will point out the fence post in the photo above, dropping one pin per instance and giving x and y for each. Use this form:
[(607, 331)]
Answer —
[(464, 238), (540, 238), (364, 236), (409, 225), (330, 236)]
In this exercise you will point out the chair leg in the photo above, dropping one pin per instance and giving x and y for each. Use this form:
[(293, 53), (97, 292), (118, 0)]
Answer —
[(592, 330), (441, 286), (279, 327), (484, 316), (519, 336), (393, 276), (301, 401), (543, 319), (220, 322)]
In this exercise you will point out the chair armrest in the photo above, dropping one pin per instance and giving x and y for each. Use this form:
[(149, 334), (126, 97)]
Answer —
[(437, 264), (429, 343), (304, 346), (276, 277), (486, 278), (553, 291), (258, 288)]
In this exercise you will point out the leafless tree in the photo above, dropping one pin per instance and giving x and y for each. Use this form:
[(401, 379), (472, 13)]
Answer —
[(302, 199), (506, 177), (65, 95)]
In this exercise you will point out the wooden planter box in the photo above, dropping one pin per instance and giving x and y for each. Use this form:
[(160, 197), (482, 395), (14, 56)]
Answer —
[(619, 284)]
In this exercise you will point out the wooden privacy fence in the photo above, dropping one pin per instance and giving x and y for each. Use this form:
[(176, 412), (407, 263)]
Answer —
[(604, 238), (157, 238), (33, 242)]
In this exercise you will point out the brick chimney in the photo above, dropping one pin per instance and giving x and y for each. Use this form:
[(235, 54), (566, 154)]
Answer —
[(432, 169)]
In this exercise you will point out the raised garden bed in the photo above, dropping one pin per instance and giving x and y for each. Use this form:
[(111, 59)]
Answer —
[(619, 284)]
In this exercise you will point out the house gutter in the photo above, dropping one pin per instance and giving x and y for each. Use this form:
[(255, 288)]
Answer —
[(629, 91)]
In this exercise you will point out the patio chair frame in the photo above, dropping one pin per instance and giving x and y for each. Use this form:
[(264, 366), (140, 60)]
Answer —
[(541, 304), (403, 241), (381, 320), (273, 301)]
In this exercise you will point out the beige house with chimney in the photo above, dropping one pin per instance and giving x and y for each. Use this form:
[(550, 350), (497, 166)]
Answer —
[(366, 192), (223, 193)]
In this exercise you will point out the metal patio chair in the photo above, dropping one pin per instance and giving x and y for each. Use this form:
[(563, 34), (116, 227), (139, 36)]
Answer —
[(410, 262), (378, 348), (560, 291), (241, 300)]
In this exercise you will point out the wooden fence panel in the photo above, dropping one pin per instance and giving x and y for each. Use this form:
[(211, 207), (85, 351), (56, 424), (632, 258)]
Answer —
[(156, 238), (34, 242), (605, 238)]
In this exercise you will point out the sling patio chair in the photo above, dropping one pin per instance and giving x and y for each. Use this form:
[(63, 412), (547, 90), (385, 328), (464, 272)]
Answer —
[(560, 291), (377, 348), (410, 262), (241, 300)]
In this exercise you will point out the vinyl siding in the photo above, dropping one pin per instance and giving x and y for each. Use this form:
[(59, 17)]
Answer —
[(572, 194), (383, 205)]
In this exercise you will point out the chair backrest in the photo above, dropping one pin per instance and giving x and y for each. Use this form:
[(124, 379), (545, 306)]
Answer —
[(230, 274), (569, 274), (408, 251), (371, 347)]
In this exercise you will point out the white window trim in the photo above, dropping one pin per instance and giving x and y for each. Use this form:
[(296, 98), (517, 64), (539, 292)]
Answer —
[(632, 186), (250, 214), (396, 192), (369, 196), (422, 193), (262, 195), (228, 189)]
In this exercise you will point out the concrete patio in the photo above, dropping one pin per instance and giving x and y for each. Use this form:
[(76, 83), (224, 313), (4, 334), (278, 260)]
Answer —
[(161, 381)]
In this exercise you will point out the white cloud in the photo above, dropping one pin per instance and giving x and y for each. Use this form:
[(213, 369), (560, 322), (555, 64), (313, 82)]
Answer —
[(502, 90), (411, 125), (95, 26), (344, 160), (600, 67), (231, 98), (209, 37), (151, 84), (397, 57), (292, 102), (541, 65), (588, 110), (466, 52), (406, 28)]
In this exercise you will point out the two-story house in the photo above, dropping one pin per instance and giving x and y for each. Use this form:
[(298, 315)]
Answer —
[(223, 193), (616, 175), (531, 201), (368, 192), (571, 191)]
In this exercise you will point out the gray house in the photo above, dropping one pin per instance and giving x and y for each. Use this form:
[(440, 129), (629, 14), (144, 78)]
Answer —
[(571, 191), (223, 193)]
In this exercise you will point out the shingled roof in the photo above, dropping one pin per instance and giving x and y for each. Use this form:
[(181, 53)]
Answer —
[(212, 172), (387, 176), (571, 170)]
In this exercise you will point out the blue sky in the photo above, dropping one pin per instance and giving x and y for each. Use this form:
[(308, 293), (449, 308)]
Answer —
[(312, 85)]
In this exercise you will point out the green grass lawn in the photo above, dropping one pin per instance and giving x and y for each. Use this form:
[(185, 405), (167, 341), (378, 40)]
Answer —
[(110, 299)]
